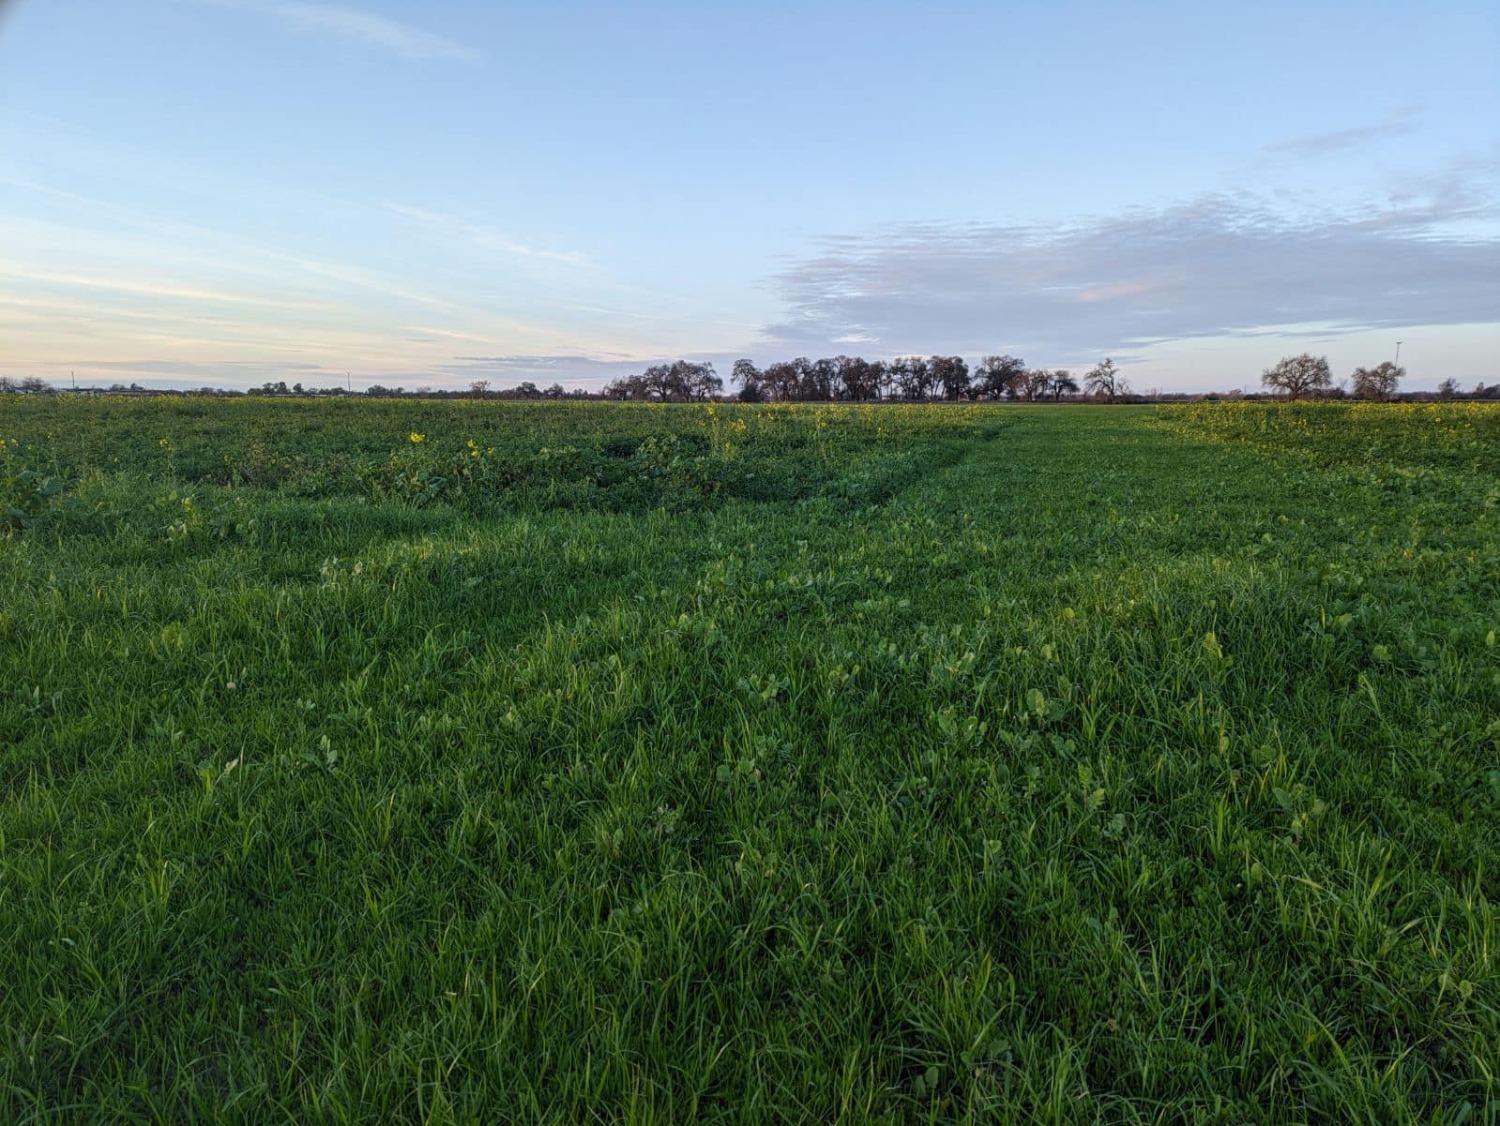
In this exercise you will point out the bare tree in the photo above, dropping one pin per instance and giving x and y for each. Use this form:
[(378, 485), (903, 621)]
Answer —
[(1378, 382), (998, 375), (679, 381), (1032, 384), (951, 374), (748, 376), (1104, 381), (783, 380), (1297, 376), (1062, 383), (858, 378), (480, 388), (912, 376), (821, 379), (1448, 388)]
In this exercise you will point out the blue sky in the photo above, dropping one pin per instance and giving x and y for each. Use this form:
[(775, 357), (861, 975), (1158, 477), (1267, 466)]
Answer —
[(228, 191)]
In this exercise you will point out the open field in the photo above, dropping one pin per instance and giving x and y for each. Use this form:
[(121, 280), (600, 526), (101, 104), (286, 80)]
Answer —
[(577, 761)]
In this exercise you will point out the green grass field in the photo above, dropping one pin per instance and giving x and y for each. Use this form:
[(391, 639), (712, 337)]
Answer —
[(464, 761)]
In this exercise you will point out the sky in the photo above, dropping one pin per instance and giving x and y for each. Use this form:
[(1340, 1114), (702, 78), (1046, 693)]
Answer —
[(225, 192)]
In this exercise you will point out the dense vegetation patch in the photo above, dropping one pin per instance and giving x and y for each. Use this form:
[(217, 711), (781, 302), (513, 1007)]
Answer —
[(457, 760)]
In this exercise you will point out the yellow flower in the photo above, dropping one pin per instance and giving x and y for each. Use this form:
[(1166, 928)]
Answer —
[(416, 439)]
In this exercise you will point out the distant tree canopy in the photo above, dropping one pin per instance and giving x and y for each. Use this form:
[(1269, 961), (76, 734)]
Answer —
[(861, 379), (951, 375), (679, 382), (841, 377), (1378, 382), (855, 379), (927, 378), (1298, 376), (1031, 384), (1063, 383), (998, 375), (30, 385), (911, 376)]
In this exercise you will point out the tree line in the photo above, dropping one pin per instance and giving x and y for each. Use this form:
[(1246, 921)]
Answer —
[(949, 378), (911, 379)]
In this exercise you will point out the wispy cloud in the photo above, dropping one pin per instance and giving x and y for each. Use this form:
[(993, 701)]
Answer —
[(483, 235), (1218, 266), (358, 26), (1340, 140), (586, 370), (196, 368), (146, 288), (572, 369)]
